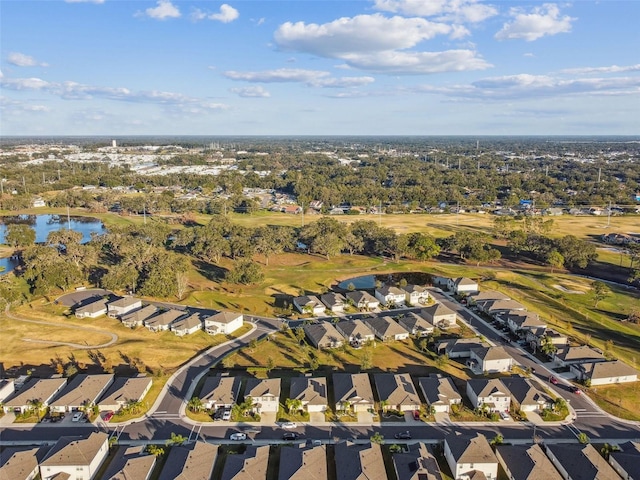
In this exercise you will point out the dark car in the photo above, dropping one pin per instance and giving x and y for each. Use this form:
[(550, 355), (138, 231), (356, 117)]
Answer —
[(290, 436), (575, 390), (416, 414), (403, 435), (219, 413)]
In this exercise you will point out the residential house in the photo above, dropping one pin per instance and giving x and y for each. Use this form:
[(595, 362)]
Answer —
[(334, 302), (525, 396), (553, 211), (386, 329), (79, 458), (130, 463), (468, 455), (309, 304), (486, 295), (416, 325), (7, 388), (363, 300), (220, 391), (497, 308), (605, 373), (301, 462), (417, 462), (323, 335), (223, 322), (488, 394), (526, 462), (42, 389), (82, 391), (359, 461), (137, 317), (490, 360), (352, 391), (311, 391), (519, 322), (389, 295), (93, 309), (397, 392), (439, 315), (439, 392), (571, 355), (265, 394), (38, 203), (162, 321), (355, 331), (122, 306), (462, 286), (416, 294), (580, 462), (194, 461), (459, 347), (250, 465), (124, 390), (626, 461), (536, 338), (21, 463), (186, 325)]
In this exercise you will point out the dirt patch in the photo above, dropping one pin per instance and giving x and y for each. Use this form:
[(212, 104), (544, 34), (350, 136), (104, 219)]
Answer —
[(566, 290)]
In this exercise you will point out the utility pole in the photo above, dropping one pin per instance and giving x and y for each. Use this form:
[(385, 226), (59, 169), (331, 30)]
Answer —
[(68, 219)]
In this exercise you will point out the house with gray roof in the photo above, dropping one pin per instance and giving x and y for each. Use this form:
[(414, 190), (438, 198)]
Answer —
[(79, 458), (82, 391), (387, 329), (265, 394), (485, 295), (526, 462), (459, 347), (42, 389), (488, 393), (468, 455), (439, 392), (223, 322), (417, 462), (359, 461), (7, 388), (567, 356), (490, 360), (605, 373), (309, 304), (334, 302), (355, 331), (397, 391), (300, 462), (390, 295), (94, 309), (323, 335), (520, 321), (194, 461), (525, 396), (439, 315), (187, 325), (162, 321), (311, 391), (352, 391), (137, 317), (250, 465), (626, 461), (462, 286), (21, 463), (416, 324), (580, 462), (416, 294), (124, 390), (220, 391), (131, 463), (537, 336), (123, 306), (499, 307), (363, 300)]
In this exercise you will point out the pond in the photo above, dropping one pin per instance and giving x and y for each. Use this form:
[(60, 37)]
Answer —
[(368, 282), (45, 224)]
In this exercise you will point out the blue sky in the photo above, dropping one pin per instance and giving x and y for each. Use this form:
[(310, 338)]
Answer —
[(316, 67)]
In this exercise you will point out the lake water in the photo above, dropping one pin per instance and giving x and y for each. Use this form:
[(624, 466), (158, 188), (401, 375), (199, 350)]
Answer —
[(45, 224)]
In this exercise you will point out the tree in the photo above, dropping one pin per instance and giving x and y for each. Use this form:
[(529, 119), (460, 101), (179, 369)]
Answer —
[(19, 235), (600, 291), (155, 450), (245, 272), (422, 247), (554, 259), (577, 253), (299, 333), (271, 364), (293, 404), (377, 438), (366, 359), (497, 440), (195, 404), (547, 346), (583, 438), (176, 439)]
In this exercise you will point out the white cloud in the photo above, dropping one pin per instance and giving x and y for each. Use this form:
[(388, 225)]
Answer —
[(462, 11), (251, 92), (22, 60), (409, 63), (226, 14), (164, 9), (12, 106), (542, 21), (311, 78), (610, 69)]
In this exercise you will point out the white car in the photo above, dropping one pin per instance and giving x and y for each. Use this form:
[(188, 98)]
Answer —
[(77, 417), (238, 436), (226, 416), (289, 425), (504, 416)]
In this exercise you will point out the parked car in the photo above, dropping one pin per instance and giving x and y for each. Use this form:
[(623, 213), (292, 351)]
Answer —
[(288, 425), (403, 435), (504, 416), (219, 413), (238, 436), (108, 416), (575, 390), (553, 380), (290, 436), (77, 417), (416, 414), (226, 416)]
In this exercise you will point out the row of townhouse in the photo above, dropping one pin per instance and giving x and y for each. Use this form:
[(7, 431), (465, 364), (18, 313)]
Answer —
[(468, 457), (106, 391), (395, 391)]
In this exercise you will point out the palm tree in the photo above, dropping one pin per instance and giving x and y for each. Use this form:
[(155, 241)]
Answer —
[(195, 404), (293, 404)]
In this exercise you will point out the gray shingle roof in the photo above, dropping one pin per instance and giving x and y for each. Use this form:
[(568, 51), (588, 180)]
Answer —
[(418, 463), (350, 387), (257, 387), (385, 326), (527, 462), (190, 462), (82, 388), (439, 390), (303, 463), (124, 389), (470, 449), (75, 450), (220, 390), (251, 465), (41, 388), (582, 462), (629, 458), (309, 390), (17, 463), (396, 388), (354, 328), (359, 462), (130, 464), (322, 334)]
